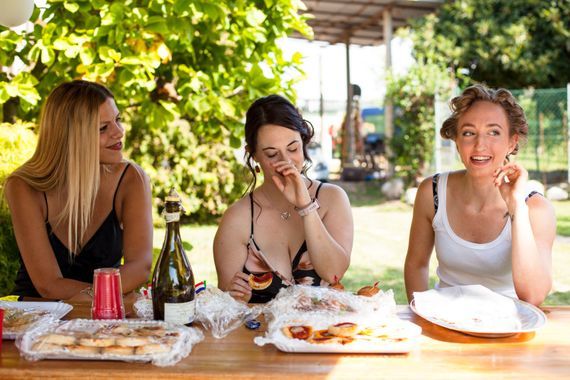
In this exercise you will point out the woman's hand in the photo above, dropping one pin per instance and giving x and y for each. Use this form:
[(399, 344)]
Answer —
[(291, 184), (239, 287), (511, 180)]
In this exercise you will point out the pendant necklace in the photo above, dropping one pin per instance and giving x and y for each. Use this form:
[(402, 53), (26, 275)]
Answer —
[(285, 215)]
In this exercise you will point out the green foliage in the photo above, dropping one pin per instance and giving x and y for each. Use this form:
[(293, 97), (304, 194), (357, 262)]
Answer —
[(183, 73), (512, 44), (17, 142), (412, 96)]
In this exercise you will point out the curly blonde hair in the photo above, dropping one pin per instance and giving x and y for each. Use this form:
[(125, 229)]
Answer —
[(461, 104)]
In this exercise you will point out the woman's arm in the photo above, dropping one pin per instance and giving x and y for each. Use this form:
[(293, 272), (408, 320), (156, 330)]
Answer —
[(27, 210), (533, 232), (230, 252), (329, 234), (135, 198), (420, 244)]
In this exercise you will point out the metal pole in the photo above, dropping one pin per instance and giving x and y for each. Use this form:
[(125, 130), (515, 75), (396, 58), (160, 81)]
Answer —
[(349, 159), (568, 122), (388, 107)]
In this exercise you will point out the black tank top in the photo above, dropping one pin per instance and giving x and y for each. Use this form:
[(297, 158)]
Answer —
[(103, 250)]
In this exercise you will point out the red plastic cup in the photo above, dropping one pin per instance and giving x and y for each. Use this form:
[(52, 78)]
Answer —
[(107, 294)]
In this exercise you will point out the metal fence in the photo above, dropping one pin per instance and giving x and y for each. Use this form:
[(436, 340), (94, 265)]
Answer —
[(545, 154)]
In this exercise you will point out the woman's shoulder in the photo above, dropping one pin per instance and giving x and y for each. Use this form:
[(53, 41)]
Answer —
[(131, 176), (18, 192), (19, 188), (329, 191), (239, 210), (538, 202)]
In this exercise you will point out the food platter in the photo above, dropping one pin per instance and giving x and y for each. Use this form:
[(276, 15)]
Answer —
[(394, 337), (529, 316), (158, 342), (29, 314)]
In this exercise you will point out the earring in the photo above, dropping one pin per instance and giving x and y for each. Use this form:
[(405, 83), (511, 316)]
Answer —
[(257, 169)]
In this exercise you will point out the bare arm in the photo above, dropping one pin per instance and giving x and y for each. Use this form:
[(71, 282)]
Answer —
[(136, 215), (230, 252), (329, 240), (533, 233), (27, 210), (421, 241)]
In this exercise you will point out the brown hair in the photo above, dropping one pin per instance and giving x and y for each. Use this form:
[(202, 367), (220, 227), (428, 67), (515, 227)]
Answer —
[(461, 104)]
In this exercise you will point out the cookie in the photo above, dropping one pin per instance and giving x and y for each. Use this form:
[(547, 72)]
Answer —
[(153, 348)]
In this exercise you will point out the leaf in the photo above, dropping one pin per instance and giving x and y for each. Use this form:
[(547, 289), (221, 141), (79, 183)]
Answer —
[(71, 7)]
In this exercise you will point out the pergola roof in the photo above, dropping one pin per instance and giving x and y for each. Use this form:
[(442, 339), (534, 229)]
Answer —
[(360, 21)]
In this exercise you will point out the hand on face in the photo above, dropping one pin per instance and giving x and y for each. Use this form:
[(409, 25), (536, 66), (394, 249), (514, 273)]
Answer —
[(239, 287), (511, 180), (290, 182)]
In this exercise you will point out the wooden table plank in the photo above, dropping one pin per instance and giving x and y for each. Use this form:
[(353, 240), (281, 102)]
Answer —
[(440, 353)]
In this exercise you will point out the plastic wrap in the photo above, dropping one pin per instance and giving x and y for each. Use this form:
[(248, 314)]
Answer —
[(317, 319), (161, 343), (22, 316), (221, 313), (327, 302)]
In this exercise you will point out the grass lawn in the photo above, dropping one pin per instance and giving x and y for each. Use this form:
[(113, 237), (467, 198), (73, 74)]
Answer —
[(380, 242)]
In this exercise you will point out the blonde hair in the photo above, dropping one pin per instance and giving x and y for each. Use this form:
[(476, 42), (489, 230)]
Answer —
[(67, 155), (461, 104)]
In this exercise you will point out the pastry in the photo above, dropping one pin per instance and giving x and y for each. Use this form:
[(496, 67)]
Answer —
[(298, 332), (323, 337), (345, 329), (83, 350), (157, 331), (153, 348), (118, 350), (368, 291), (133, 341), (58, 339), (97, 342), (260, 282), (46, 347)]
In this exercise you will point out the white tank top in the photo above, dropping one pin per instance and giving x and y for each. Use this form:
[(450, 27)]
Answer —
[(461, 262)]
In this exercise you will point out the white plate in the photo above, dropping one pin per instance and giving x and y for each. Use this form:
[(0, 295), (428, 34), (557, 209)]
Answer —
[(530, 317), (55, 309)]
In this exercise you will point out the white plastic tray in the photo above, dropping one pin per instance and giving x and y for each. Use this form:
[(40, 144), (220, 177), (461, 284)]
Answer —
[(56, 310)]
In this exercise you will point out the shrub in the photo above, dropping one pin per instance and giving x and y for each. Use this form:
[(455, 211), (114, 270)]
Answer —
[(17, 143)]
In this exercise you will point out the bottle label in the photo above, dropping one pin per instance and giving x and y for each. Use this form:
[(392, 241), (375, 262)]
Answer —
[(180, 313), (172, 217)]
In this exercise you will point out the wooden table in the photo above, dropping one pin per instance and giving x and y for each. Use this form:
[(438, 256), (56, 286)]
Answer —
[(440, 353)]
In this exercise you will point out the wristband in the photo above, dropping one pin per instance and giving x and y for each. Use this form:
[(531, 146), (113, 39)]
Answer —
[(313, 206)]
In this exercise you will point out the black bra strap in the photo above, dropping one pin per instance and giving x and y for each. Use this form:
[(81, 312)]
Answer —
[(47, 208), (531, 194), (119, 183), (318, 188), (435, 195)]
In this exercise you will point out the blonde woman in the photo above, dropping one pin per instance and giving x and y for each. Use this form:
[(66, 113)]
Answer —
[(485, 227), (76, 205)]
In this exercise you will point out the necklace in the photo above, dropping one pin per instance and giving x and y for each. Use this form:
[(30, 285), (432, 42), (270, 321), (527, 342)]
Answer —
[(285, 215)]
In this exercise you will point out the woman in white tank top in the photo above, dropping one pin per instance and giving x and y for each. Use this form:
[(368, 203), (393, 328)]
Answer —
[(485, 228)]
